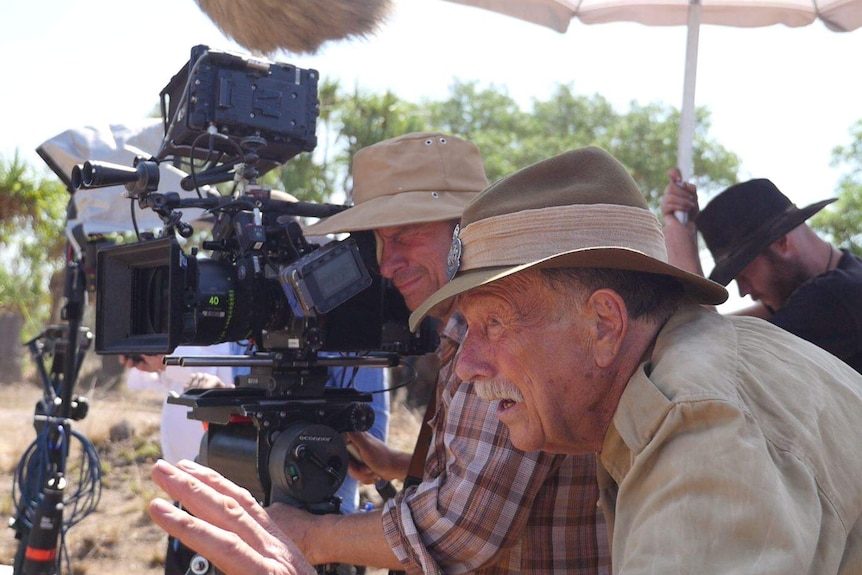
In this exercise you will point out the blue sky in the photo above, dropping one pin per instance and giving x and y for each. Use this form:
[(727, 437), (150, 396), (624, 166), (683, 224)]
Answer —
[(780, 97)]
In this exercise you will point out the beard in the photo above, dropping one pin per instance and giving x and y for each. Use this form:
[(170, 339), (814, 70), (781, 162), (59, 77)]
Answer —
[(784, 281)]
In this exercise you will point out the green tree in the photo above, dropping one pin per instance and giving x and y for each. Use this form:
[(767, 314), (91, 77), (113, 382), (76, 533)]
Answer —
[(644, 137), (309, 176), (842, 221), (489, 118), (32, 219), (349, 121)]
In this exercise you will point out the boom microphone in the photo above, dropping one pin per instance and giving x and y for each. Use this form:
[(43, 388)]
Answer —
[(265, 26)]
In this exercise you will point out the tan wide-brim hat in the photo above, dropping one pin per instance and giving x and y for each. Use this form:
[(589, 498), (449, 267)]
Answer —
[(578, 209), (412, 179)]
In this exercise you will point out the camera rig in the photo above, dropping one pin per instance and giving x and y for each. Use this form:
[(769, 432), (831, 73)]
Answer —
[(306, 307)]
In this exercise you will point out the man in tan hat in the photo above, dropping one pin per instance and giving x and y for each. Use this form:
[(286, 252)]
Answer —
[(758, 237), (478, 504), (716, 453)]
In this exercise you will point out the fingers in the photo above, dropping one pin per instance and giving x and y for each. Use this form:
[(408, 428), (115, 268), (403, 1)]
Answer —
[(361, 472), (225, 549), (223, 522), (223, 486), (148, 363), (356, 467), (204, 380), (361, 447), (677, 201), (220, 546), (212, 498), (679, 197), (362, 441)]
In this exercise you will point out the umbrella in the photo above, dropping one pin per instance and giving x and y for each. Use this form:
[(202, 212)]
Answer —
[(837, 15)]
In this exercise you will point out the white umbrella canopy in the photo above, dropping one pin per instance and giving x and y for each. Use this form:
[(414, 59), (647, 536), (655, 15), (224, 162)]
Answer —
[(106, 210), (836, 15)]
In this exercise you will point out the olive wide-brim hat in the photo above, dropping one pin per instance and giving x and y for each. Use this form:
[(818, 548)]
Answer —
[(743, 220), (578, 209), (421, 177)]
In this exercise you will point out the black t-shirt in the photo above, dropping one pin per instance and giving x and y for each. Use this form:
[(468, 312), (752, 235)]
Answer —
[(827, 311)]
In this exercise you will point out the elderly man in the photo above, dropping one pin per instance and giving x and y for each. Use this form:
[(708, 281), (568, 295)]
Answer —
[(758, 237), (726, 444), (480, 505)]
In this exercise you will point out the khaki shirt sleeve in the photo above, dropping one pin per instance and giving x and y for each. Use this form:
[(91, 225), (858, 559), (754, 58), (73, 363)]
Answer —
[(709, 493)]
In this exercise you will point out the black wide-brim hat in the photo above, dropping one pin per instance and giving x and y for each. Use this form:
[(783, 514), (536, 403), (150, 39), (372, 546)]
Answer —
[(743, 220)]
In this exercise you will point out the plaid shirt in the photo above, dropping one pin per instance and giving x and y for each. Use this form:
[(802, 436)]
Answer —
[(484, 506)]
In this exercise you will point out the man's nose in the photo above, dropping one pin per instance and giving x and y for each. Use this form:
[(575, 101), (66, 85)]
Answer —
[(743, 287), (472, 361), (390, 258)]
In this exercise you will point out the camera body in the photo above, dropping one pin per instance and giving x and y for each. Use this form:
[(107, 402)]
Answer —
[(238, 116), (307, 308), (264, 283)]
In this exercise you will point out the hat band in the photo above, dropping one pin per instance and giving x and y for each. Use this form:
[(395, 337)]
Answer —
[(533, 235), (761, 234)]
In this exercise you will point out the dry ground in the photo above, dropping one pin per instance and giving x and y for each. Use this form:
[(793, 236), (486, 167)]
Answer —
[(118, 537)]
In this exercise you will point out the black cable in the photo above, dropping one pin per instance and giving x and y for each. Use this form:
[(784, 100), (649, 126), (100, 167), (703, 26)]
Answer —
[(39, 463), (36, 465), (134, 219), (349, 383)]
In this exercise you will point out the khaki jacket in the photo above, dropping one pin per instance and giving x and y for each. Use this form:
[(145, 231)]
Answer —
[(736, 449)]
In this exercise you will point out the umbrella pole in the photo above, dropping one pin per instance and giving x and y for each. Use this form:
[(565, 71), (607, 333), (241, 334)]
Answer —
[(685, 141)]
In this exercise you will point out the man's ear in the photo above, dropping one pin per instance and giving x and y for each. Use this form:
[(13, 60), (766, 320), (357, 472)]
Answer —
[(609, 316), (782, 244)]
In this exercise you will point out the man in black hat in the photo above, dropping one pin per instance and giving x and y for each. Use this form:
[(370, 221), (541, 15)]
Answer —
[(759, 238)]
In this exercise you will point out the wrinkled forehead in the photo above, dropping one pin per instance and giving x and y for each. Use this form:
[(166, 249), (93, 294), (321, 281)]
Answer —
[(395, 232), (519, 291)]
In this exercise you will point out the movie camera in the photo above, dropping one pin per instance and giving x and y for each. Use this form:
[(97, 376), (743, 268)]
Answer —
[(306, 307)]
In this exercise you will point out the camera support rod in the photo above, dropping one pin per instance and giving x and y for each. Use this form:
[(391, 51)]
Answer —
[(278, 360)]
